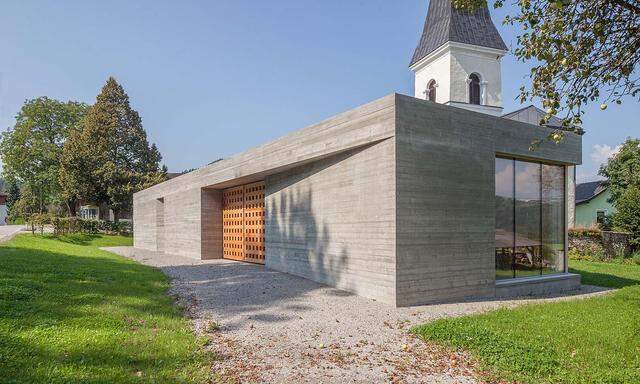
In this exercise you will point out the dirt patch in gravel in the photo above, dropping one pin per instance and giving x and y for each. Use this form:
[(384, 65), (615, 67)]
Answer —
[(268, 326)]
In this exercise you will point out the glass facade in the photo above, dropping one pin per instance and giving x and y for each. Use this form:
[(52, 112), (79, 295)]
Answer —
[(530, 218)]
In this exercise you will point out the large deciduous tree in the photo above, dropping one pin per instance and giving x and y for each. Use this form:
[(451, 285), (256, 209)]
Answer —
[(110, 158), (31, 151), (623, 169), (623, 180), (584, 51)]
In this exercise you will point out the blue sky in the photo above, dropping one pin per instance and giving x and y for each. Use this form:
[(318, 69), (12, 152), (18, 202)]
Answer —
[(214, 78)]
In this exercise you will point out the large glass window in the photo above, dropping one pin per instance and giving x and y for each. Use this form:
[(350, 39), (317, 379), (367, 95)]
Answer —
[(504, 218), (553, 219), (528, 240), (530, 219)]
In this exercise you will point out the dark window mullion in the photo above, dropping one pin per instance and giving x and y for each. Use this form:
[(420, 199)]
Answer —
[(513, 249), (540, 247)]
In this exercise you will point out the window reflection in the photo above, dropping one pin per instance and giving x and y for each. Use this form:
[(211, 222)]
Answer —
[(553, 218), (504, 218), (529, 208), (527, 217)]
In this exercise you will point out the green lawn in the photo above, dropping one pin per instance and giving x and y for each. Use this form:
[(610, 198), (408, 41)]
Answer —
[(596, 340), (71, 313)]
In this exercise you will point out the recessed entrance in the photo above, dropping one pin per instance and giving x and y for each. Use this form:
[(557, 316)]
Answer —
[(243, 223)]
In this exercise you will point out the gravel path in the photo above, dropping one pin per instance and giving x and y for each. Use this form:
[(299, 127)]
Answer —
[(8, 231), (278, 328)]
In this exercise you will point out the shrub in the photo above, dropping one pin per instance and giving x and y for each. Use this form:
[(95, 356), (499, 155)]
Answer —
[(66, 225), (581, 232), (37, 221), (112, 227), (16, 220), (627, 217), (636, 258), (90, 226)]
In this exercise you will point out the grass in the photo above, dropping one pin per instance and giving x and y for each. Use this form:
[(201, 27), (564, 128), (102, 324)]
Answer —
[(72, 313), (594, 340)]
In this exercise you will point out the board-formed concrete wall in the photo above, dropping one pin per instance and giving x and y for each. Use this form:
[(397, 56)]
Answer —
[(333, 221), (182, 215), (445, 222), (393, 200)]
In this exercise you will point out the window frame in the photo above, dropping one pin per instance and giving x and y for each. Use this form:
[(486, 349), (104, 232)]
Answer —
[(474, 88), (565, 213), (604, 215), (431, 90)]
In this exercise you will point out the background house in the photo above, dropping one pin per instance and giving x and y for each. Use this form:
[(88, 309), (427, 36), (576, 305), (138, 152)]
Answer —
[(592, 203), (92, 211)]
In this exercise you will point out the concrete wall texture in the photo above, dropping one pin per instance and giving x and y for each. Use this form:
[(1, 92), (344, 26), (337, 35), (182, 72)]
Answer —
[(392, 200)]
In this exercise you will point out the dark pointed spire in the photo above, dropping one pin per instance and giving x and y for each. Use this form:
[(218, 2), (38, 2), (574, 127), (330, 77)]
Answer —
[(446, 23)]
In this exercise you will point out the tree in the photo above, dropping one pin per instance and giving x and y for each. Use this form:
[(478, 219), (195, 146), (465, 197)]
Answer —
[(32, 150), (627, 216), (623, 170), (13, 195), (586, 51), (623, 180), (110, 158)]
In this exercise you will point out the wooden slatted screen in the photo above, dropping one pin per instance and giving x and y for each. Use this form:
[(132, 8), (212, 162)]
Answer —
[(254, 222), (243, 223), (232, 223)]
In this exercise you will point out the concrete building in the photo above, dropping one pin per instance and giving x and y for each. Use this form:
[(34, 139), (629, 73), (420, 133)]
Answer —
[(402, 200)]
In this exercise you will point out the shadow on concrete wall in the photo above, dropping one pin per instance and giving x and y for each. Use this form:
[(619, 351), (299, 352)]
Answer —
[(298, 242), (300, 238)]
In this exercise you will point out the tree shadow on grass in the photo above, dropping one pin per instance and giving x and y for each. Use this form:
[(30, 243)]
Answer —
[(33, 362), (604, 279), (74, 238), (93, 315)]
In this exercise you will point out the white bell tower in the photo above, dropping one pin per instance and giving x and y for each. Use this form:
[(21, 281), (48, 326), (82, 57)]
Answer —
[(457, 61)]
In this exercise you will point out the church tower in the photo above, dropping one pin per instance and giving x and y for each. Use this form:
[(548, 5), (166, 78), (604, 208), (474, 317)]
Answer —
[(457, 61)]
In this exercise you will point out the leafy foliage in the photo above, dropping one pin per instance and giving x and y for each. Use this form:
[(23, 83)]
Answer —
[(72, 225), (109, 158), (627, 216), (13, 195), (623, 170), (623, 180), (32, 150), (59, 153), (585, 51)]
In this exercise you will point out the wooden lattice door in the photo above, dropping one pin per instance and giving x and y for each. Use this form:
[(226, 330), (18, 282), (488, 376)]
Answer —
[(232, 223), (243, 223)]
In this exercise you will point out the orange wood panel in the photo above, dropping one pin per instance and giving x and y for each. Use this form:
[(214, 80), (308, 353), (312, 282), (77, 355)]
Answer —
[(243, 223), (254, 222), (232, 223)]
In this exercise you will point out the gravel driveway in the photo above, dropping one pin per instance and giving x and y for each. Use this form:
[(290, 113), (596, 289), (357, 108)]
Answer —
[(8, 231), (278, 328)]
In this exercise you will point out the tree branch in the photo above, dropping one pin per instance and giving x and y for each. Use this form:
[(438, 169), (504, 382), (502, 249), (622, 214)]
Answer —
[(627, 6)]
